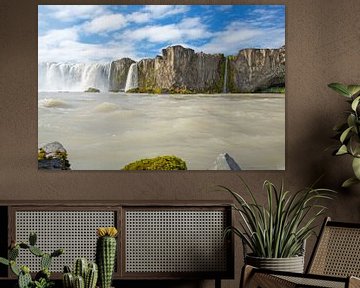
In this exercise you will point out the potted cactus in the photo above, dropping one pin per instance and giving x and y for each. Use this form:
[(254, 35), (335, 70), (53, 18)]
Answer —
[(84, 275), (106, 254), (42, 278)]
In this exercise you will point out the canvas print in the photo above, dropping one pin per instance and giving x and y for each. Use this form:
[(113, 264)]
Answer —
[(161, 87)]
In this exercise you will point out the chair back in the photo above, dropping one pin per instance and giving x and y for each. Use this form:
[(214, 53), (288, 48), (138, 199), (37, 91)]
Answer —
[(337, 251)]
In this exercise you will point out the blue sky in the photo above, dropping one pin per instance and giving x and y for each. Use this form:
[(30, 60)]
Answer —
[(102, 33)]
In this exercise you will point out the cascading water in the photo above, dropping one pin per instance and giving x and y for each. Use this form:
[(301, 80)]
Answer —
[(73, 77), (225, 76), (132, 78)]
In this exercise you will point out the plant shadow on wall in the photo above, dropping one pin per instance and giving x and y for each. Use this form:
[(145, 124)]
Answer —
[(276, 232), (348, 132)]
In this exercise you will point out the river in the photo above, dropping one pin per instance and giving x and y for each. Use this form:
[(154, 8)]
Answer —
[(105, 131)]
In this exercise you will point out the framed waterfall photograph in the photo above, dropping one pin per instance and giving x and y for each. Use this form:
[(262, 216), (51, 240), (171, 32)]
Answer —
[(161, 87)]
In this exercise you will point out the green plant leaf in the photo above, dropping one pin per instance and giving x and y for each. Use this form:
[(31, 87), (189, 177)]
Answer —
[(351, 120), (349, 182), (345, 134), (354, 145), (356, 167), (342, 150), (353, 90), (340, 88), (355, 103)]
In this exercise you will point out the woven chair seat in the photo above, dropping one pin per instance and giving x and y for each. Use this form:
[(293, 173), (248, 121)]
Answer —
[(335, 262)]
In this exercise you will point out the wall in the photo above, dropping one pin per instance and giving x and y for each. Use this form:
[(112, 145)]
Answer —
[(322, 46)]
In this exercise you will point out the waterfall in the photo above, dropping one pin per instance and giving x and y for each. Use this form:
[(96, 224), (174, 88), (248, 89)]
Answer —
[(225, 75), (73, 77), (132, 78)]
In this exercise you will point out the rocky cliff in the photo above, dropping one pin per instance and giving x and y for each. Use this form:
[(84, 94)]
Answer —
[(180, 69), (118, 73), (256, 69)]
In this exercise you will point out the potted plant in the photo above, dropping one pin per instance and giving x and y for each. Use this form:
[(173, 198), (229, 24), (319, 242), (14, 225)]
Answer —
[(42, 278), (348, 132), (276, 233)]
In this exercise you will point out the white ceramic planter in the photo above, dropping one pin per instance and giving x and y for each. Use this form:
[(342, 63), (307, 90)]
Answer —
[(291, 264)]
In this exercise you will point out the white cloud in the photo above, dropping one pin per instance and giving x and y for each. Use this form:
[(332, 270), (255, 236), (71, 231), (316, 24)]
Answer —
[(161, 11), (187, 29), (58, 36), (139, 17), (238, 35), (105, 23), (69, 13), (64, 46), (153, 12)]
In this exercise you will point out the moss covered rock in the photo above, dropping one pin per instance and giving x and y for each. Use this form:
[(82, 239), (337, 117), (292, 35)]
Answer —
[(92, 90), (157, 163), (53, 156)]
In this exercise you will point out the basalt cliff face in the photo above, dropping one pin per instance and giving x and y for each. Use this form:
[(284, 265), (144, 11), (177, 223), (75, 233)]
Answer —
[(180, 69), (255, 69), (118, 73)]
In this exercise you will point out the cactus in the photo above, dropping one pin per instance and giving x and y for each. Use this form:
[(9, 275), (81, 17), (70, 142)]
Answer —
[(80, 267), (13, 253), (45, 261), (89, 272), (91, 276), (67, 269), (44, 273), (32, 239), (42, 278), (4, 261), (36, 251), (79, 282), (14, 268), (68, 280), (106, 254), (24, 280)]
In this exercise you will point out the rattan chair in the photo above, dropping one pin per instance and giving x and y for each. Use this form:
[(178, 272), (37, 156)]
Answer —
[(334, 263)]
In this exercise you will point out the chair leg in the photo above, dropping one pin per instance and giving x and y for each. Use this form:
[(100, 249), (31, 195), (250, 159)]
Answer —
[(246, 274)]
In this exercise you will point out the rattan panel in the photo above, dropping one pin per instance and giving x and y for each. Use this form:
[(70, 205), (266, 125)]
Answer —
[(175, 241), (338, 253), (312, 282), (75, 231)]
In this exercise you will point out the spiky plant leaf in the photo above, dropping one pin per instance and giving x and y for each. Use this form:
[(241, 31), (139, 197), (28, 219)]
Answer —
[(280, 228)]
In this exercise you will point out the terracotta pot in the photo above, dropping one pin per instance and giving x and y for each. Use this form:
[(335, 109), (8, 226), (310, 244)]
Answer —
[(291, 264)]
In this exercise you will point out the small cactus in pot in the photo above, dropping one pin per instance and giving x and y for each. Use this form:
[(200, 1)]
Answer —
[(106, 254)]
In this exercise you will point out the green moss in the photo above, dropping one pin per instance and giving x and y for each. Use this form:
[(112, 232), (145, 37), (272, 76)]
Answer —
[(157, 163), (41, 154), (58, 155), (92, 90), (158, 90), (274, 89)]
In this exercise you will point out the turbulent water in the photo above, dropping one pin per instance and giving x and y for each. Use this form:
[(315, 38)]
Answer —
[(73, 77), (109, 130)]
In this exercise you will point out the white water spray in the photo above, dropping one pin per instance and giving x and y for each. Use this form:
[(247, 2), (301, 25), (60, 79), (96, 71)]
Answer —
[(225, 76), (132, 78), (73, 77)]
